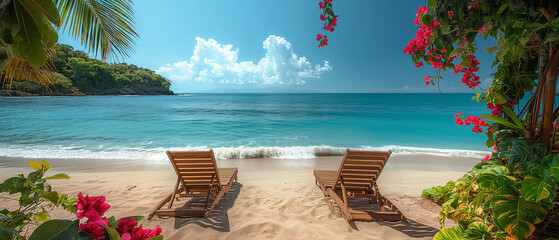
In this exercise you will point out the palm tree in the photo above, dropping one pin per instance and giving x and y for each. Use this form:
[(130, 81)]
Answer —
[(28, 31)]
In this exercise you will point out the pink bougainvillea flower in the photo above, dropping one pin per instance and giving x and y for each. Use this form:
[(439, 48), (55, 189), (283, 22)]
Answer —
[(486, 158), (458, 120), (95, 229), (318, 37), (323, 43), (321, 5), (92, 208), (126, 225), (419, 64), (126, 236), (322, 17), (450, 14)]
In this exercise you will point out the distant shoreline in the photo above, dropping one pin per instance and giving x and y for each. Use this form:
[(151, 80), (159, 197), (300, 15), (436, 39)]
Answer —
[(15, 93)]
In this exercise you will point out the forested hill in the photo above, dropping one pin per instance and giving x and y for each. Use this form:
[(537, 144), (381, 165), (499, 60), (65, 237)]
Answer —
[(77, 74)]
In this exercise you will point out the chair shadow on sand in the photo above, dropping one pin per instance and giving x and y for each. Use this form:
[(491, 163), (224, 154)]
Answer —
[(218, 218), (412, 228)]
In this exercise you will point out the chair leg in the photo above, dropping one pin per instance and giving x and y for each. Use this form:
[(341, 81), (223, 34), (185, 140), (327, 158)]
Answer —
[(175, 193)]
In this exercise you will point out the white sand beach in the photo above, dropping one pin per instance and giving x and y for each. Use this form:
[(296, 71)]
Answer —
[(273, 199)]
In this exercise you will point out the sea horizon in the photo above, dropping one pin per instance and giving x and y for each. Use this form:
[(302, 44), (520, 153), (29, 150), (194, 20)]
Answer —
[(237, 125)]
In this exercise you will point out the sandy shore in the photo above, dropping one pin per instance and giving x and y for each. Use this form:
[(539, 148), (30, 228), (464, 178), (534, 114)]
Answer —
[(274, 198)]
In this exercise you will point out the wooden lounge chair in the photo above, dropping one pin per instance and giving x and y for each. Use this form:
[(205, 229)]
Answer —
[(199, 179), (355, 181)]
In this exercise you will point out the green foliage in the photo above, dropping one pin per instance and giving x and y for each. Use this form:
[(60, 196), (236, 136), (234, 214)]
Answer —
[(36, 198), (77, 74), (105, 27), (56, 230), (439, 194), (506, 196), (26, 27)]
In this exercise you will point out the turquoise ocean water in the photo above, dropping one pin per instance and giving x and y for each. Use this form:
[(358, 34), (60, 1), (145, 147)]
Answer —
[(237, 125)]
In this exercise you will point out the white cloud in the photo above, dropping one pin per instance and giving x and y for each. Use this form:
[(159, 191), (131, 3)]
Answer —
[(215, 63)]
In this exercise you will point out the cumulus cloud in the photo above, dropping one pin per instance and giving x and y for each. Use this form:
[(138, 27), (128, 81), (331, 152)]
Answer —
[(215, 63)]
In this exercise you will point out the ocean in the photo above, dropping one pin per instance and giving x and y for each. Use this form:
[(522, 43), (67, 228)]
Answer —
[(237, 125)]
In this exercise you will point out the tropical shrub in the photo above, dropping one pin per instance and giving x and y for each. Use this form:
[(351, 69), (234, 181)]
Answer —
[(36, 199), (439, 194), (512, 193), (508, 195)]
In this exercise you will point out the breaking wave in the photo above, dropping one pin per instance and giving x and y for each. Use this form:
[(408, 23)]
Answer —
[(241, 152)]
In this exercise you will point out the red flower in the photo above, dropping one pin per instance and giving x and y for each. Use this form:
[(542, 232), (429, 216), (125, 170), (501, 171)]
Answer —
[(95, 229), (322, 18), (450, 14), (318, 37), (126, 225), (92, 208), (321, 5), (486, 158), (458, 120), (419, 64), (426, 78), (323, 43), (128, 230)]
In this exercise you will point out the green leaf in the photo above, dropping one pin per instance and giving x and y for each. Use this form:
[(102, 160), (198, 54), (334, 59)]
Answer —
[(138, 218), (113, 234), (28, 39), (449, 234), (58, 176), (35, 176), (5, 234), (535, 189), (502, 8), (501, 120), (477, 230), (56, 230), (104, 27), (51, 196), (551, 39), (432, 3), (514, 215), (490, 142), (46, 165), (158, 237), (35, 165), (43, 7), (41, 217), (514, 118), (13, 185), (84, 236)]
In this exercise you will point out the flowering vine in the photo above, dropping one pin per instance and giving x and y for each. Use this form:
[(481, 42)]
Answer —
[(330, 21)]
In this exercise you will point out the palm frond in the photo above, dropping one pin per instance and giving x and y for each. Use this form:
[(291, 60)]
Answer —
[(18, 69), (105, 27)]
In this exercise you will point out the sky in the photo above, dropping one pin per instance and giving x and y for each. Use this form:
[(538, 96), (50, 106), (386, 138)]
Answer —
[(270, 46)]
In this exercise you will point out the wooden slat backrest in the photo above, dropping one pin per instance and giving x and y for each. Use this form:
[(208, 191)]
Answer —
[(359, 169), (195, 168)]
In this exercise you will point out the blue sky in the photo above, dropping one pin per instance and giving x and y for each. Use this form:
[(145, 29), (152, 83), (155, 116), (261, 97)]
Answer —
[(270, 46)]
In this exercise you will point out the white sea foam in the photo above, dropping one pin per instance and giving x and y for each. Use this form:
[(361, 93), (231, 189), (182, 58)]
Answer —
[(158, 154)]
